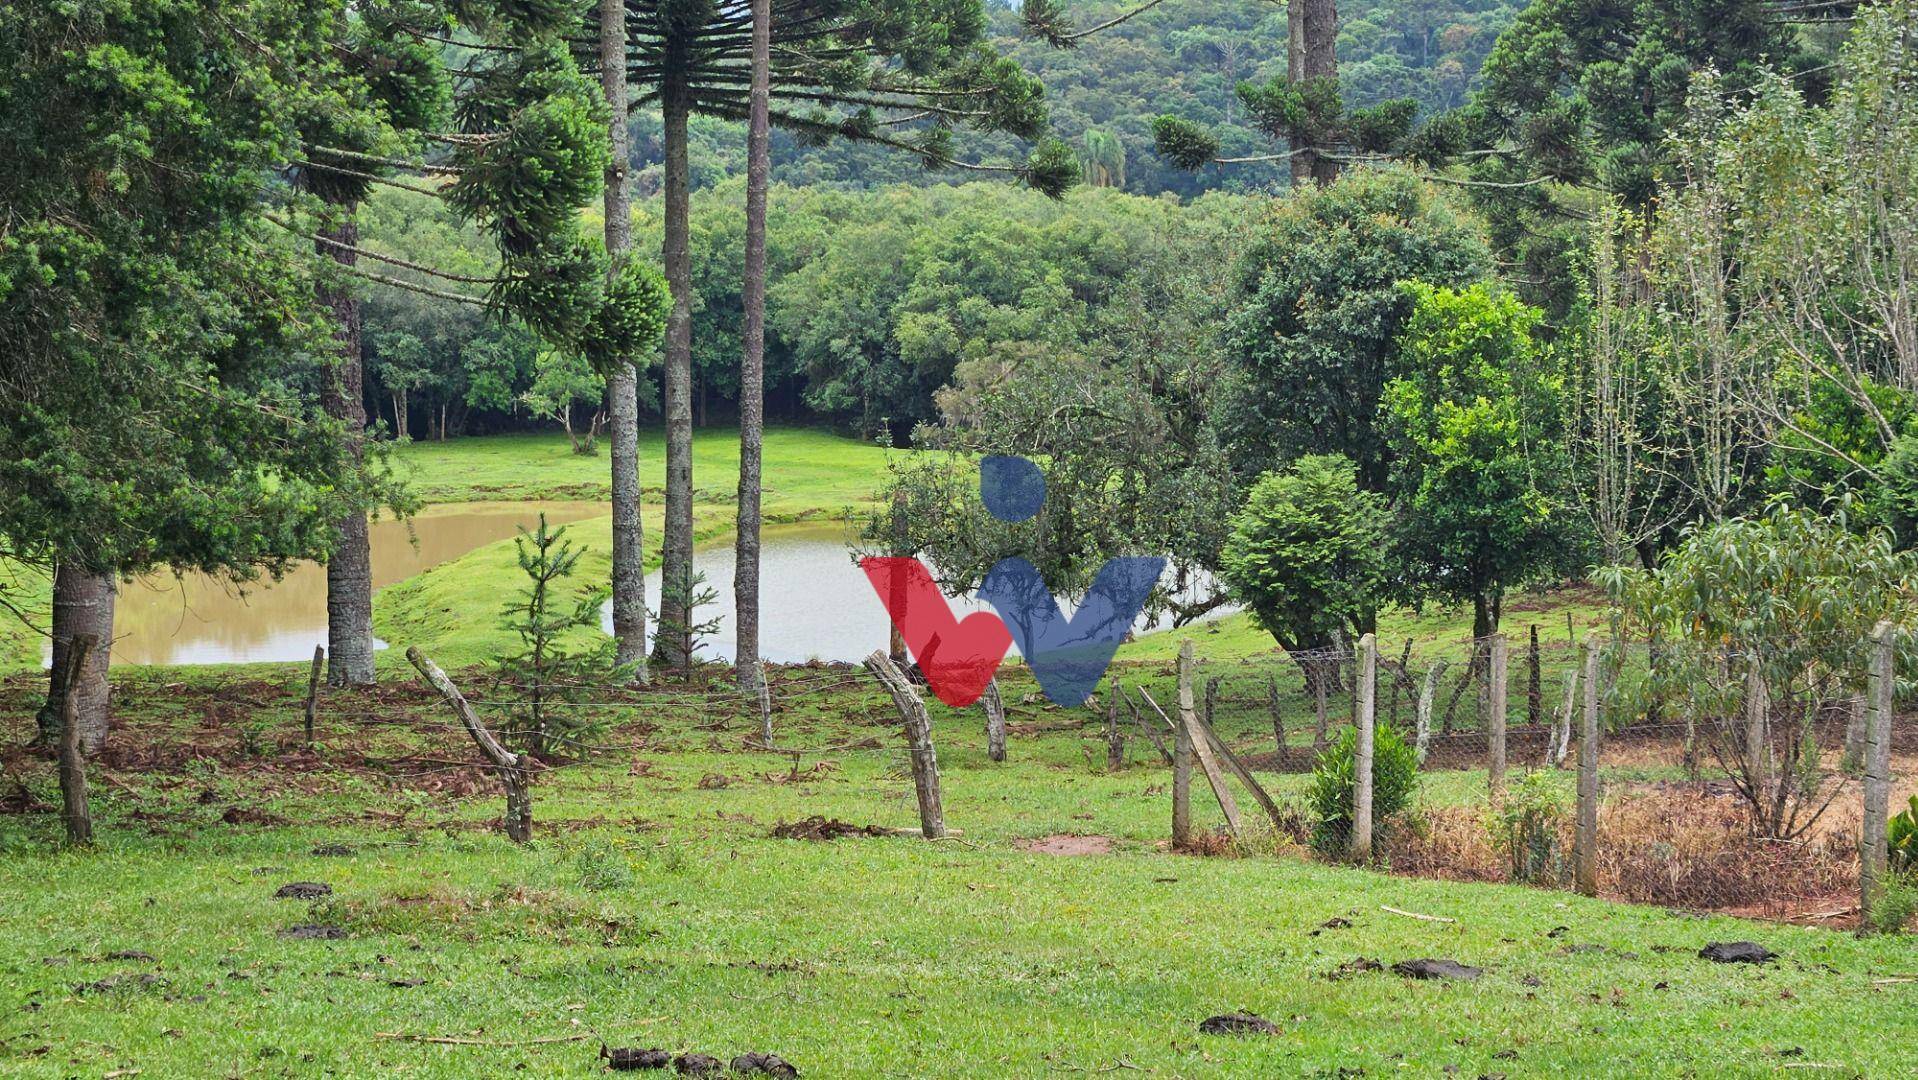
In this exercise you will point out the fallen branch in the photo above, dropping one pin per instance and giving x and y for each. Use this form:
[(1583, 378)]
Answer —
[(1416, 915), (454, 1040)]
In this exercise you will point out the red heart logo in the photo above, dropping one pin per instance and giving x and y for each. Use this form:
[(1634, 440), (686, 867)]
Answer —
[(958, 657)]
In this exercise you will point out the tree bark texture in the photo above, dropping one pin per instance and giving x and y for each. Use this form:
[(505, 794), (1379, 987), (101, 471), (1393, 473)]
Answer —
[(752, 365), (349, 573), (622, 385), (82, 608)]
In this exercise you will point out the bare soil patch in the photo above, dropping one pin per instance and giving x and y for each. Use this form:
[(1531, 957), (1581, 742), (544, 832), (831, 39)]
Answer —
[(1068, 844)]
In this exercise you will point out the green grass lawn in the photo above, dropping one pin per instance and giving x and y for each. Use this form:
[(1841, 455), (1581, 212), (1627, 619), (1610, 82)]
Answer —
[(808, 472), (653, 909)]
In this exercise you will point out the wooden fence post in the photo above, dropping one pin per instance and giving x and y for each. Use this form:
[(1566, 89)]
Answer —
[(1495, 718), (1115, 735), (995, 707), (1151, 731), (925, 765), (1182, 754), (901, 548), (508, 766), (1585, 841), (1534, 688), (1562, 743), (1365, 697), (313, 691), (1428, 694), (765, 708), (75, 811), (1319, 664), (1758, 770), (1196, 730), (1880, 685), (1278, 715), (1853, 761)]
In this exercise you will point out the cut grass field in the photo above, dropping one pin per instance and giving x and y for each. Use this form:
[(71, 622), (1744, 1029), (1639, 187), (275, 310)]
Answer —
[(654, 909), (808, 472)]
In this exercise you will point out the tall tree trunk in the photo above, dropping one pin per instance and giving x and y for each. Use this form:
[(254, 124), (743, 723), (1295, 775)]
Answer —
[(674, 636), (752, 366), (622, 385), (82, 605), (1312, 32), (349, 573), (1295, 37)]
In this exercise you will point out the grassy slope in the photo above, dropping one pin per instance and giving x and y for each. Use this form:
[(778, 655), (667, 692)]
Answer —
[(661, 914), (808, 472), (452, 610)]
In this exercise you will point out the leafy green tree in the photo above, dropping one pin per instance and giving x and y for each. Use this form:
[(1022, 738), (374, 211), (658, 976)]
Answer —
[(1583, 95), (1314, 334), (1766, 619), (562, 380), (1120, 415), (1308, 554), (1473, 426), (149, 320), (1102, 161)]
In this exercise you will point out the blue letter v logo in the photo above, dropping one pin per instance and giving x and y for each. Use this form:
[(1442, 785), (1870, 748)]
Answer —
[(1070, 656)]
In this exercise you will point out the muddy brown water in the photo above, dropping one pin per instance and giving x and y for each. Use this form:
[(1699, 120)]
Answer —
[(199, 619)]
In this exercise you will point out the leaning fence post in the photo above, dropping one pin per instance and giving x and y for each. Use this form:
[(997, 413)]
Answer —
[(925, 765), (1562, 742), (509, 767), (1585, 841), (1182, 754), (1879, 686), (995, 707), (1365, 701), (313, 690), (75, 811), (1115, 735), (1495, 718)]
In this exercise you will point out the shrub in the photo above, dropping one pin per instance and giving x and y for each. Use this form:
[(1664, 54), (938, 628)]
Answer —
[(1395, 776), (1896, 903), (1527, 827), (1901, 836)]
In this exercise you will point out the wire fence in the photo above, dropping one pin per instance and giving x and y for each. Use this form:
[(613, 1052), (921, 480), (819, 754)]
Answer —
[(1720, 780), (1715, 780)]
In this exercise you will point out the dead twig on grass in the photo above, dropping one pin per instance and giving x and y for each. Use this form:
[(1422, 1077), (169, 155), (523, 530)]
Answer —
[(1416, 915)]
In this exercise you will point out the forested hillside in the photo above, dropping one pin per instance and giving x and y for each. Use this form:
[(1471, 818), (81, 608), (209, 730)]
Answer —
[(1184, 57)]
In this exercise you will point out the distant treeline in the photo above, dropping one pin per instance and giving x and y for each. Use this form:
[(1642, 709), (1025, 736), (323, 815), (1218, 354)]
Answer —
[(878, 301)]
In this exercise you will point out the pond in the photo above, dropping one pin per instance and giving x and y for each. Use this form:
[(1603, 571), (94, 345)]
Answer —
[(198, 619), (816, 603)]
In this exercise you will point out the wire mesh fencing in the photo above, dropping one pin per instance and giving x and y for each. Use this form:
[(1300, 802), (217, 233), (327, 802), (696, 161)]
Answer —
[(1715, 780)]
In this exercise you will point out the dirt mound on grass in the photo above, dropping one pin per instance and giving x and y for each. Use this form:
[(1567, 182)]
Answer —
[(823, 828)]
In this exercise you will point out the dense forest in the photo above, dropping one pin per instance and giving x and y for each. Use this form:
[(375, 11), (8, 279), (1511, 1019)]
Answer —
[(1184, 56), (835, 353)]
